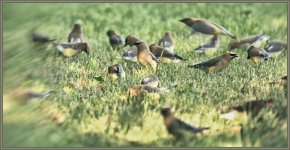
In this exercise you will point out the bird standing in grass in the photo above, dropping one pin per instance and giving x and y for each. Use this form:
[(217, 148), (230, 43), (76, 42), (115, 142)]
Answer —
[(115, 40), (151, 80), (76, 35), (255, 40), (206, 27), (215, 64), (167, 42), (209, 47), (116, 71), (144, 56), (164, 54), (71, 49), (141, 89), (275, 48), (257, 54), (175, 126), (131, 53)]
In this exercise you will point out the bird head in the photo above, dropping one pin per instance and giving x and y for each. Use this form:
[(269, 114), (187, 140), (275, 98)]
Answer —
[(230, 56), (77, 27), (188, 21), (130, 40), (169, 34), (233, 45), (165, 111), (85, 47), (111, 32)]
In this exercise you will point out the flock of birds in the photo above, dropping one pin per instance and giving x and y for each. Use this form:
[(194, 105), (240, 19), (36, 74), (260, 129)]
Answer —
[(150, 56)]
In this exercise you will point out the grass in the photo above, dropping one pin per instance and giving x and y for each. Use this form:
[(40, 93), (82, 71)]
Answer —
[(96, 114)]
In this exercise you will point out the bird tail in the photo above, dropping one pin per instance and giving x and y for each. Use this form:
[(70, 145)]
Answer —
[(201, 129), (51, 40), (197, 66), (180, 57)]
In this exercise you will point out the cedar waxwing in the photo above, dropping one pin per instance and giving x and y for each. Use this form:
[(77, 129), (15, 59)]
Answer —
[(116, 71), (168, 42), (256, 54), (144, 56), (215, 64), (25, 94), (251, 108), (275, 48), (71, 49), (39, 38), (151, 80), (115, 40), (167, 56), (131, 54), (206, 27), (208, 47), (255, 40), (76, 35), (177, 127), (140, 89)]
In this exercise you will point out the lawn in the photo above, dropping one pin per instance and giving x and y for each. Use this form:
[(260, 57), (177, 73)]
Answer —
[(85, 112)]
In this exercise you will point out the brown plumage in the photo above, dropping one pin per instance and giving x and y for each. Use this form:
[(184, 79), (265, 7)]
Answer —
[(159, 52), (167, 41), (115, 40), (177, 127), (215, 64), (131, 40), (76, 35), (144, 56), (256, 54), (206, 27), (247, 41)]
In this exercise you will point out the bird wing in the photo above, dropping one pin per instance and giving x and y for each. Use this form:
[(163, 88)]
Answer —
[(223, 29), (210, 62), (188, 127), (204, 26)]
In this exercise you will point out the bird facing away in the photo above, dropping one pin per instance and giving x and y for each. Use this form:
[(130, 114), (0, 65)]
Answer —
[(71, 49), (76, 35), (39, 38), (257, 54), (215, 64), (206, 27), (251, 108), (116, 71), (165, 55), (275, 48), (177, 127), (255, 40), (208, 47), (144, 56), (167, 42), (115, 40), (151, 80)]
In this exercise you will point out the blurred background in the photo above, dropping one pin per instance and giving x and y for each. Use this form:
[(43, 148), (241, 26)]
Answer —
[(53, 101)]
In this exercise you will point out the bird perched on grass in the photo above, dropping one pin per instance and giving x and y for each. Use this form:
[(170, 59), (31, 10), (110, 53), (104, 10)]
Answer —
[(251, 108), (208, 47), (215, 64), (39, 38), (71, 49), (167, 42), (177, 127), (275, 48), (76, 35), (206, 27), (144, 56), (115, 40), (255, 40), (131, 53), (116, 71), (164, 55), (151, 80), (141, 89), (257, 54)]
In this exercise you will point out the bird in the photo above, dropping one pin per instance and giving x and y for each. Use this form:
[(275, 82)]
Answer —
[(26, 94), (144, 56), (141, 89), (208, 47), (76, 35), (215, 64), (164, 55), (257, 54), (131, 53), (71, 49), (39, 38), (251, 108), (116, 71), (255, 40), (177, 127), (167, 41), (151, 80), (115, 40), (206, 27), (275, 48)]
